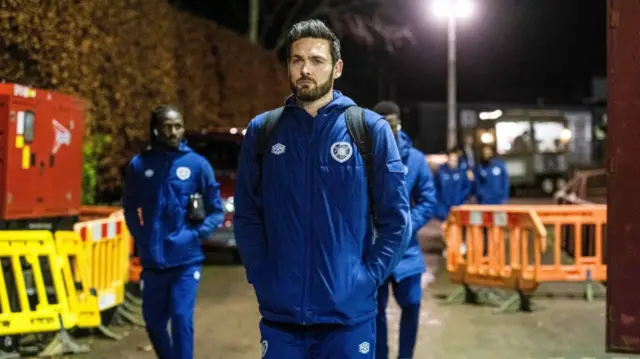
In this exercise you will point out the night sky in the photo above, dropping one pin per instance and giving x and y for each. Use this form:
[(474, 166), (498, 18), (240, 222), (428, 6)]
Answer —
[(509, 51)]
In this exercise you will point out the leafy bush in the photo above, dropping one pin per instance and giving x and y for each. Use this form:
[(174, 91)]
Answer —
[(126, 57)]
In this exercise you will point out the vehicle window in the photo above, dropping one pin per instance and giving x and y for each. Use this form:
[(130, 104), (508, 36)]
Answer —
[(513, 137), (28, 120), (222, 154), (549, 137)]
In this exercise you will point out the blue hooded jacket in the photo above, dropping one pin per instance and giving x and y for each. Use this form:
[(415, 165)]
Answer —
[(421, 189), (306, 236), (453, 188), (160, 184), (492, 182)]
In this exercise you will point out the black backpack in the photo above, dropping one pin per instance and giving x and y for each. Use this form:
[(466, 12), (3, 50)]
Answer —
[(356, 126)]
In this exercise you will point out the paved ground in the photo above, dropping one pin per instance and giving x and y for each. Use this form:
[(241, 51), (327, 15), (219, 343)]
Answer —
[(227, 317)]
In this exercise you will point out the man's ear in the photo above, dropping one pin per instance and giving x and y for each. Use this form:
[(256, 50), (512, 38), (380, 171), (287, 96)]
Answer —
[(337, 69)]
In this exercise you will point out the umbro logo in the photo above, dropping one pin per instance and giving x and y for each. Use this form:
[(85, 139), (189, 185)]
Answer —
[(278, 149), (364, 348)]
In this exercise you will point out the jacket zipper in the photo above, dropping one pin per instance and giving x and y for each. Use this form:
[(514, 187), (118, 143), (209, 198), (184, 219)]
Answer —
[(163, 211), (308, 172)]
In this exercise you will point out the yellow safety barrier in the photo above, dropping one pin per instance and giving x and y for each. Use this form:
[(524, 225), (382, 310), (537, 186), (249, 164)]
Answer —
[(43, 288), (75, 270), (107, 244), (135, 269)]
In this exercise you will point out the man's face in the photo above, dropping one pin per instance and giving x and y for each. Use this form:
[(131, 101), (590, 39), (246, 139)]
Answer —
[(311, 69), (452, 160), (487, 153), (171, 129), (468, 140), (394, 122)]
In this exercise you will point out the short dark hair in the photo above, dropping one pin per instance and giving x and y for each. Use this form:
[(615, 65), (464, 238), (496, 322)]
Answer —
[(159, 112), (315, 29), (453, 151), (385, 108)]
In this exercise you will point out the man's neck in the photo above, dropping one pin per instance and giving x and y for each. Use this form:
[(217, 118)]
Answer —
[(161, 147), (312, 107)]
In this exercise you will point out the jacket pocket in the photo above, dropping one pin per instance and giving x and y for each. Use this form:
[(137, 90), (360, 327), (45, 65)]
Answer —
[(359, 287), (263, 285), (182, 246)]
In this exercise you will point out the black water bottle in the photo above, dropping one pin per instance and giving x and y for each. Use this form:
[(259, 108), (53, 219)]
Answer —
[(196, 210)]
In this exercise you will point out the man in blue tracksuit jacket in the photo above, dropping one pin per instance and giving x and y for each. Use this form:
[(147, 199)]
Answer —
[(161, 182), (453, 186), (491, 179), (303, 226), (406, 277)]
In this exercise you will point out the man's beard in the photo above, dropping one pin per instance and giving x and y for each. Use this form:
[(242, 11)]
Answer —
[(312, 93)]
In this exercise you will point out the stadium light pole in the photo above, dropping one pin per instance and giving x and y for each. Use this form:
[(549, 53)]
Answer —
[(452, 10)]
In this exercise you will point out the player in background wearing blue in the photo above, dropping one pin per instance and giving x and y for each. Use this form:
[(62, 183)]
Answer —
[(179, 199), (406, 277)]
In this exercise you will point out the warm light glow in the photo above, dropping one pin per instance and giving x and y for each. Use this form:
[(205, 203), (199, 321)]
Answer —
[(487, 138), (565, 134), (233, 130), (457, 8), (493, 115)]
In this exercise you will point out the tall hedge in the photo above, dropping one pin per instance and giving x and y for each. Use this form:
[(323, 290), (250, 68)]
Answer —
[(125, 57)]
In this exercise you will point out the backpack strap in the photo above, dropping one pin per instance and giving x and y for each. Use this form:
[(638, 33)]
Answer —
[(360, 134), (264, 133)]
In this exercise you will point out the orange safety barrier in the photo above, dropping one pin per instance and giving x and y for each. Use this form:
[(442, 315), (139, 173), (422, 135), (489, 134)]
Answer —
[(580, 230), (89, 212), (503, 261), (518, 247)]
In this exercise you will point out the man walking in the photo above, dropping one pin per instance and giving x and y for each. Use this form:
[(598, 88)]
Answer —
[(491, 179), (315, 180), (452, 184), (180, 204), (406, 277)]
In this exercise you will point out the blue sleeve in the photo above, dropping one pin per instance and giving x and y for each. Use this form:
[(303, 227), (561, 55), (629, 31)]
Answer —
[(130, 203), (475, 184), (248, 221), (391, 203), (212, 202), (424, 195), (467, 187), (438, 182), (506, 182)]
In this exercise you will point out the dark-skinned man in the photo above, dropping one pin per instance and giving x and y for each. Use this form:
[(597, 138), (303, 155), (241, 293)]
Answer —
[(177, 194)]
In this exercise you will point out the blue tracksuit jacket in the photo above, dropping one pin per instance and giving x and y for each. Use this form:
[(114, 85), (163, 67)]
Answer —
[(453, 188), (421, 189), (306, 238), (492, 182), (160, 183)]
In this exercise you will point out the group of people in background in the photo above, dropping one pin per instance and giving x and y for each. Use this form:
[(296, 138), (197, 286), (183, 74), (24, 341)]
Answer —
[(432, 197), (463, 177)]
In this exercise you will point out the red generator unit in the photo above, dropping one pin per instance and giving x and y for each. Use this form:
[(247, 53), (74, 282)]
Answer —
[(41, 136)]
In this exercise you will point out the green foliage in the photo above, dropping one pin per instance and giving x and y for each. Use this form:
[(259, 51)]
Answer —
[(124, 58), (92, 150)]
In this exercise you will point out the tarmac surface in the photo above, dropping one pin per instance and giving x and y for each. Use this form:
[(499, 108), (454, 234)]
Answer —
[(226, 324)]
